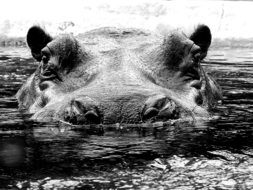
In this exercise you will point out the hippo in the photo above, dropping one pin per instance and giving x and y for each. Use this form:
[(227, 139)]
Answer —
[(114, 75)]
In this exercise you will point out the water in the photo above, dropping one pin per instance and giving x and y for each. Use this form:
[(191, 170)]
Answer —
[(215, 154)]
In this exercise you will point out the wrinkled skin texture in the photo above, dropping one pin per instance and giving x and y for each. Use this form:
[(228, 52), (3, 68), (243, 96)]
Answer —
[(114, 75)]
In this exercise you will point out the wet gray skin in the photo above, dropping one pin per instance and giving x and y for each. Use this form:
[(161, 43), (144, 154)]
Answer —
[(114, 75)]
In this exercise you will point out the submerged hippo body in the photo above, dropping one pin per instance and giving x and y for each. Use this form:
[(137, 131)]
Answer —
[(114, 75)]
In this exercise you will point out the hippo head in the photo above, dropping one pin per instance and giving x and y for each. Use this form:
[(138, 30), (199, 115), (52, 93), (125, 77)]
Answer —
[(114, 75)]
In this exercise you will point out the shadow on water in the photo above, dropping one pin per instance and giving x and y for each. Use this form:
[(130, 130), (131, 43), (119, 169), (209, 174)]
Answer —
[(215, 154)]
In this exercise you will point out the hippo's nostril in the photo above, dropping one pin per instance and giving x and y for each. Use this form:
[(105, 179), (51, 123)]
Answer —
[(196, 84), (199, 99), (150, 113), (160, 108), (92, 117), (82, 110)]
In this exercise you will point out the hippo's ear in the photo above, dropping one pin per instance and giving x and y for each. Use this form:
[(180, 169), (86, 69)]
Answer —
[(202, 37), (37, 39)]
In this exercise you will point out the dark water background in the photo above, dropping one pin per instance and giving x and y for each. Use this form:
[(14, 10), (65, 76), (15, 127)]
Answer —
[(215, 154)]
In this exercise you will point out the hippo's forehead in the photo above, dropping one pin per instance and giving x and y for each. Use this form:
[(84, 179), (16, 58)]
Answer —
[(109, 39)]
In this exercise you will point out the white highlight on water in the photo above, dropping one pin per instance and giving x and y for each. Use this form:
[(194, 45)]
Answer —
[(227, 19)]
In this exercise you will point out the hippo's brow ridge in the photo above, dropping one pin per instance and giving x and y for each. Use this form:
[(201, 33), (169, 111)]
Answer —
[(49, 49), (191, 47)]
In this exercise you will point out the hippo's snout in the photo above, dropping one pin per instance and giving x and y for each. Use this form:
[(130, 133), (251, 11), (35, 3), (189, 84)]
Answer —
[(85, 110)]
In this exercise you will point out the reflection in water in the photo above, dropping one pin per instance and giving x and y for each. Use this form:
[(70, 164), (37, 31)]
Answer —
[(11, 152), (215, 154)]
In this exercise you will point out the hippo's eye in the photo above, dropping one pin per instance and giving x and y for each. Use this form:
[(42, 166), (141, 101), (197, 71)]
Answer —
[(196, 53), (196, 57), (45, 54), (45, 59)]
